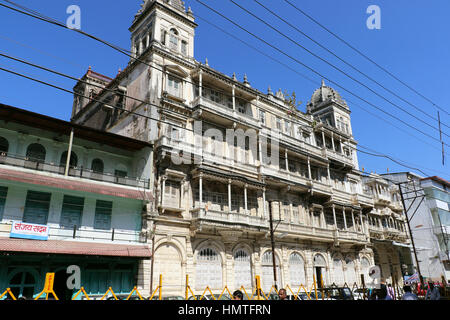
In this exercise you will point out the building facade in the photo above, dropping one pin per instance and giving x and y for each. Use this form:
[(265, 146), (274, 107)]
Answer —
[(428, 200), (227, 156), (83, 210)]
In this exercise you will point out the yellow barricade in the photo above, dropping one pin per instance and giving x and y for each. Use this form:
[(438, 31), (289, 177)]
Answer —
[(8, 291)]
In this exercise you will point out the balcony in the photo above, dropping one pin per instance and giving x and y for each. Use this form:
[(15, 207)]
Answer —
[(45, 167), (85, 234), (337, 156), (224, 111), (217, 217)]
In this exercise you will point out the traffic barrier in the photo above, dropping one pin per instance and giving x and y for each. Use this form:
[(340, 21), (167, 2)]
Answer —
[(79, 292), (8, 292)]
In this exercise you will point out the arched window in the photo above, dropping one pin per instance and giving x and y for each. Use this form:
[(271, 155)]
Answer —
[(297, 270), (338, 271), (267, 271), (73, 159), (4, 146), (173, 39), (350, 273), (208, 270), (365, 264), (97, 166), (36, 152), (23, 284), (242, 270)]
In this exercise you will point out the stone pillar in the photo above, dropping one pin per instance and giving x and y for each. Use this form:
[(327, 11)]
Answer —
[(334, 217), (164, 178), (286, 159), (309, 169), (329, 174), (200, 189), (200, 83), (264, 202), (229, 195), (345, 220), (245, 198), (332, 142), (361, 220), (233, 97), (353, 220), (323, 138)]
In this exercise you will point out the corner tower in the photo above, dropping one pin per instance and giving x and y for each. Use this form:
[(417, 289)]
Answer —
[(164, 23)]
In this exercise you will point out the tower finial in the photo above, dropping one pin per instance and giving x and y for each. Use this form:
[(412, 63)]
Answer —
[(323, 83)]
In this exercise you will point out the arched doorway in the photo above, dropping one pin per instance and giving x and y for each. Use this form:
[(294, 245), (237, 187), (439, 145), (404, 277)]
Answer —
[(267, 271), (242, 270), (320, 266), (297, 270), (350, 272), (168, 263), (208, 270), (338, 272)]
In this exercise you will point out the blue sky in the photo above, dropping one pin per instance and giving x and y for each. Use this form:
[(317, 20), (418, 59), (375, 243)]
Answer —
[(412, 44)]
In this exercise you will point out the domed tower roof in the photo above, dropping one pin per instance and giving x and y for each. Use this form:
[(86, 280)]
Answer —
[(325, 94), (177, 4)]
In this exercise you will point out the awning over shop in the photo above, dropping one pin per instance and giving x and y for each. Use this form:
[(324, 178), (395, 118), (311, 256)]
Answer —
[(74, 248)]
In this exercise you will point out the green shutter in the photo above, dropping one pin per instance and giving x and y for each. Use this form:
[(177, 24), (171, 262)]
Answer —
[(3, 193), (36, 207), (103, 210), (72, 210)]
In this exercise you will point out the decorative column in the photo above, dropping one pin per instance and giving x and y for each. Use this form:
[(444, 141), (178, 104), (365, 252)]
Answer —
[(200, 84), (264, 202), (332, 142), (229, 195), (322, 218), (353, 220), (334, 217), (329, 174), (233, 97), (345, 220), (286, 159), (361, 220), (342, 147), (323, 138), (200, 189), (309, 169), (164, 178), (245, 198)]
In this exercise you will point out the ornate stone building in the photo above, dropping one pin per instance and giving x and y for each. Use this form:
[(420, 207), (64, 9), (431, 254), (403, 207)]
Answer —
[(226, 155)]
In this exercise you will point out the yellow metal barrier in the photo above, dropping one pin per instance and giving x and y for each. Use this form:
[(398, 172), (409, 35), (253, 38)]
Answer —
[(137, 292), (8, 291), (48, 287), (159, 289), (81, 291), (112, 292)]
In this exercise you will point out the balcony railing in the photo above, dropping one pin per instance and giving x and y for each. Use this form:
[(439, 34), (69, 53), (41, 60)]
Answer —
[(228, 217), (79, 172), (223, 109), (86, 234)]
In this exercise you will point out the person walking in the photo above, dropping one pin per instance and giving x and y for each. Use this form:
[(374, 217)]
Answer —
[(432, 292), (408, 295)]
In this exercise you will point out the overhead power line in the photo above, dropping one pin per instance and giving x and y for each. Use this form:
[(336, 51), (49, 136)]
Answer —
[(364, 55), (335, 67), (173, 125), (318, 73), (45, 19), (117, 107), (349, 64)]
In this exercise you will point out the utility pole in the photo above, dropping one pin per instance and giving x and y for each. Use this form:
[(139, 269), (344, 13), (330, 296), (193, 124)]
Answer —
[(153, 256), (272, 240), (410, 232)]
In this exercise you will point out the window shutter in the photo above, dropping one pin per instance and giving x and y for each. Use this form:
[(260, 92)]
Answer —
[(72, 210), (103, 211), (36, 207)]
